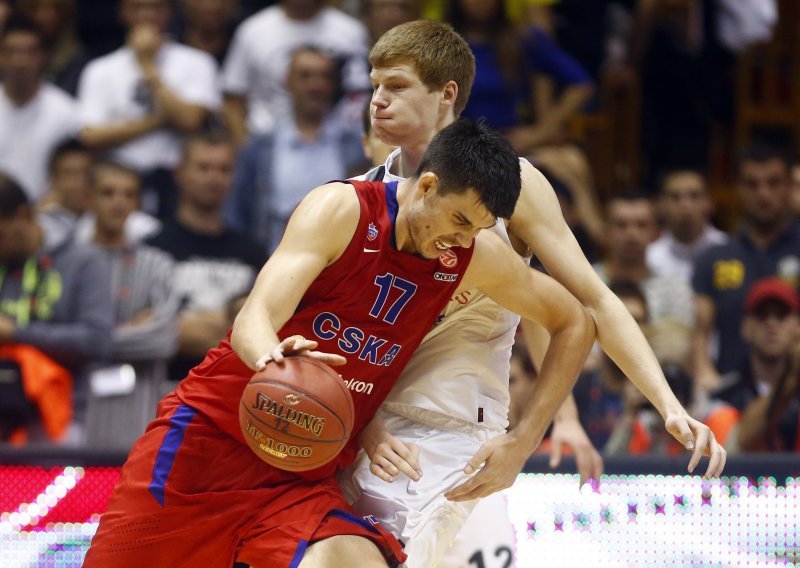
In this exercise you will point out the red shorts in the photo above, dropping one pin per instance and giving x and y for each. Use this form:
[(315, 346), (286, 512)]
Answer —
[(190, 495)]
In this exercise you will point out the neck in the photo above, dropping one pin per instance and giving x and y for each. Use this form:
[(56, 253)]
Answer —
[(411, 154), (688, 238), (402, 234), (109, 239), (633, 272), (764, 236), (308, 125), (211, 40), (198, 220), (767, 369), (21, 95)]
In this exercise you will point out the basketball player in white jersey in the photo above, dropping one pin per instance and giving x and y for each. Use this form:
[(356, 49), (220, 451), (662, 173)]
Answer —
[(446, 417)]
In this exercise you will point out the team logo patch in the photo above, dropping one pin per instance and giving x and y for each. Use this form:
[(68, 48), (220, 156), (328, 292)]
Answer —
[(448, 259), (372, 232), (291, 399), (445, 277)]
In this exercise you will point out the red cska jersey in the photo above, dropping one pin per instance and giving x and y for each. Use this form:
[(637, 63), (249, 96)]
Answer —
[(374, 306)]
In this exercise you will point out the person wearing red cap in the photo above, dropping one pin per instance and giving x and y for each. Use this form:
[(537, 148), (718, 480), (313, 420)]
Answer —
[(769, 329)]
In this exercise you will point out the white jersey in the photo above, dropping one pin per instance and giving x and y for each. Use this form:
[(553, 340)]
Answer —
[(461, 368)]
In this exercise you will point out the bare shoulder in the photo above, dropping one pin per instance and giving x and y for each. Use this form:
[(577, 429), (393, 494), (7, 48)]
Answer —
[(536, 196), (325, 220), (491, 260)]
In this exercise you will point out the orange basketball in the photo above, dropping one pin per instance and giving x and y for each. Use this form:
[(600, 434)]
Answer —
[(297, 415)]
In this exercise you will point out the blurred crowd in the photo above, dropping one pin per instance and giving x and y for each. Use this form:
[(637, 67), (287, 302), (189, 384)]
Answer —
[(152, 151)]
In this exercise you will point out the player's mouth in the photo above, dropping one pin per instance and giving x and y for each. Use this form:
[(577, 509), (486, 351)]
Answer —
[(441, 245)]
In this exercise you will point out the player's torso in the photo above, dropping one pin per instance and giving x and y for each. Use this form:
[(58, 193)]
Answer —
[(374, 306)]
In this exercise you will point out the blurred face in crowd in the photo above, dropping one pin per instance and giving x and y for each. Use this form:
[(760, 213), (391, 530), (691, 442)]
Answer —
[(685, 205), (764, 188), (302, 9), (205, 175), (631, 227), (771, 329), (382, 15), (311, 82), (478, 11), (375, 149), (210, 14), (22, 61), (154, 13), (15, 235), (69, 180), (50, 16), (115, 195)]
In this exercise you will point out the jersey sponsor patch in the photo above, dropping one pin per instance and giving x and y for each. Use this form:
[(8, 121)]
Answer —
[(445, 277), (448, 259)]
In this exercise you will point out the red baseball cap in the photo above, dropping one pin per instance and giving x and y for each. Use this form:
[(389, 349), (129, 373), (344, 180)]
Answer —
[(771, 289)]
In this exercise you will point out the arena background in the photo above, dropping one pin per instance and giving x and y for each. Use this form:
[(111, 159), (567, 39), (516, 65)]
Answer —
[(646, 512)]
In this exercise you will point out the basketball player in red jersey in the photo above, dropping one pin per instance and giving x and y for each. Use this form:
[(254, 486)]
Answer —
[(363, 271)]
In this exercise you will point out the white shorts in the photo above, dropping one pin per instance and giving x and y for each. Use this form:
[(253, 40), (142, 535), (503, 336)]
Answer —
[(487, 540), (417, 512)]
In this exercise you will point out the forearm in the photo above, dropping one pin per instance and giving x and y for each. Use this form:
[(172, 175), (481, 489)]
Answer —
[(752, 431), (570, 103), (111, 135), (254, 334), (559, 371), (623, 341), (184, 116), (234, 111)]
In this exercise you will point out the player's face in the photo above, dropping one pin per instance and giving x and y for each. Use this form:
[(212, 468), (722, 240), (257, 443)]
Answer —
[(439, 222), (115, 195), (764, 188), (404, 111)]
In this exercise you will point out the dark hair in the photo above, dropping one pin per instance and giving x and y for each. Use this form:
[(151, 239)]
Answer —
[(111, 165), (69, 146), (664, 176), (760, 152), (22, 24), (212, 137), (468, 154), (629, 289), (12, 196)]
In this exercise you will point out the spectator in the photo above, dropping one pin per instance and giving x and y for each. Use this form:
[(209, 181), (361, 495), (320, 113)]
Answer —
[(68, 199), (137, 101), (63, 213), (256, 67), (56, 300), (507, 58), (631, 228), (306, 148), (56, 20), (214, 264), (686, 209), (208, 26), (599, 393), (768, 244), (769, 329), (146, 326), (44, 113), (379, 16)]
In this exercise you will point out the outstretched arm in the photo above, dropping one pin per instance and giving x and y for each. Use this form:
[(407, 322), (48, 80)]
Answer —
[(317, 234), (500, 274), (538, 222)]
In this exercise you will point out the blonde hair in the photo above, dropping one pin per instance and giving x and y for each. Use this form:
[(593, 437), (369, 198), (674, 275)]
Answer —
[(435, 50)]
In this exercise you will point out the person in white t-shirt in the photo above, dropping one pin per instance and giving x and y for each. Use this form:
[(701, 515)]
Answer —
[(439, 443), (34, 116), (255, 70), (138, 101)]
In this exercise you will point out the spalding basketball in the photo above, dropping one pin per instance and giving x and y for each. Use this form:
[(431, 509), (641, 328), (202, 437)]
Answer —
[(297, 415)]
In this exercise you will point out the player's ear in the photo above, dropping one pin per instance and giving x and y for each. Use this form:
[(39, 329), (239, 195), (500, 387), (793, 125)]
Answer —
[(450, 93), (428, 183)]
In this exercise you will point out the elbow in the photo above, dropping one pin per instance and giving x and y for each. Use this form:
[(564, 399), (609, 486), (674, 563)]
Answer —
[(190, 121)]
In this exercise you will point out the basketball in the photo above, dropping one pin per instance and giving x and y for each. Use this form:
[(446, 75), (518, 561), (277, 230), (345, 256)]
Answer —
[(297, 415)]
